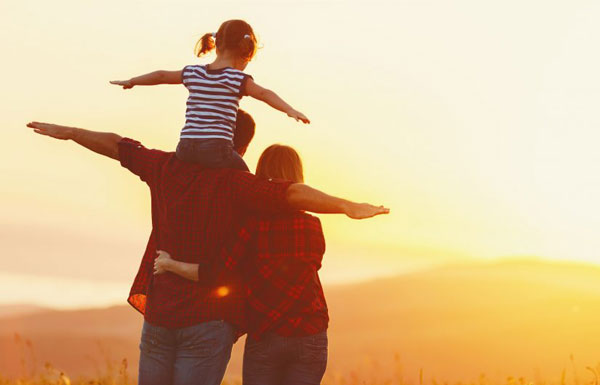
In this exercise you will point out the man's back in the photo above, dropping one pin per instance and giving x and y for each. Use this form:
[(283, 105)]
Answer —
[(193, 212)]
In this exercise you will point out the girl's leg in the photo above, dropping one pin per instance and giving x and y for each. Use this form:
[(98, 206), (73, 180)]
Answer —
[(210, 154)]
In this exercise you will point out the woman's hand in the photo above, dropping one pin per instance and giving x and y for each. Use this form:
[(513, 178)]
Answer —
[(299, 116), (364, 210), (126, 84), (162, 263)]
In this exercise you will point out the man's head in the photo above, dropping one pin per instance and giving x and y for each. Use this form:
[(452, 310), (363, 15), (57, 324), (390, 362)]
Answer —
[(244, 132)]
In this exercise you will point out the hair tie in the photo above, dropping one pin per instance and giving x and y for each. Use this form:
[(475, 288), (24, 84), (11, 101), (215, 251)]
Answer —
[(247, 37)]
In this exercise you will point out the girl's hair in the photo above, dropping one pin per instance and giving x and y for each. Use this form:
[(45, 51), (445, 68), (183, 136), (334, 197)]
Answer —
[(280, 162), (234, 35)]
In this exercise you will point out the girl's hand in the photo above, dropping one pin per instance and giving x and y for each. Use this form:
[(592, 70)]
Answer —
[(299, 116), (126, 84), (162, 263)]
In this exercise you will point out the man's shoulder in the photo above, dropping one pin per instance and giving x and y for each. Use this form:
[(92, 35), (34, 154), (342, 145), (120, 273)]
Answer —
[(195, 173), (215, 173), (289, 218), (132, 145), (140, 160)]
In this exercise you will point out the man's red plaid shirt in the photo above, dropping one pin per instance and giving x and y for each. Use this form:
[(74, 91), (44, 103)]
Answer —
[(280, 256), (194, 211)]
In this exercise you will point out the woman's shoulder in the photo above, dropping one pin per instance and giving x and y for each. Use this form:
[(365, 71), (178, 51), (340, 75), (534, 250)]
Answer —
[(288, 219)]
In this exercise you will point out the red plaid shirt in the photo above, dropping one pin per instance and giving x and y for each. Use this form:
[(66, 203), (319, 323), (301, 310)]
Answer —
[(280, 256), (194, 211)]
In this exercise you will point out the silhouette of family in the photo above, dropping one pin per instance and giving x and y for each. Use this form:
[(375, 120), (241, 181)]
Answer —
[(230, 252)]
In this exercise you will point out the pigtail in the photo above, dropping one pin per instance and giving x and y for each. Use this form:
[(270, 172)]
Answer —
[(235, 35), (247, 46), (205, 44)]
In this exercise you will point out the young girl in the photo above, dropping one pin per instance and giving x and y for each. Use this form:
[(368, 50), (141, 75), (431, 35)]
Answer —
[(215, 91)]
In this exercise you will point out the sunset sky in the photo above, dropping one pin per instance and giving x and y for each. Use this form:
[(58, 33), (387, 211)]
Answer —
[(476, 122)]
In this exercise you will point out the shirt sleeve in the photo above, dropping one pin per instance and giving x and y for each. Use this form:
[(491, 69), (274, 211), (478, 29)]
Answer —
[(186, 74), (139, 160), (243, 85), (258, 195)]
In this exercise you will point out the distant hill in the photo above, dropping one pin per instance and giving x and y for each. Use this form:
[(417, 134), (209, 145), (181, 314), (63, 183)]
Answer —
[(18, 310), (519, 318)]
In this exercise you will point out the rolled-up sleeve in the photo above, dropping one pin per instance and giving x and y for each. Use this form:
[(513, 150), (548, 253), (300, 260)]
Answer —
[(141, 161)]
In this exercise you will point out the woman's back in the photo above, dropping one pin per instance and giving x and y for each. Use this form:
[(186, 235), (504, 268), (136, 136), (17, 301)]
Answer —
[(285, 295)]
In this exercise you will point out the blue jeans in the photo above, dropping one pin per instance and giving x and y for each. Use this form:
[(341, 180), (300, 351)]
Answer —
[(276, 360), (195, 355), (210, 153)]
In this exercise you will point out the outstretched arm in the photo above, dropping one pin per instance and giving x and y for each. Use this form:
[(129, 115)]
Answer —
[(103, 143), (151, 79), (303, 197), (272, 99)]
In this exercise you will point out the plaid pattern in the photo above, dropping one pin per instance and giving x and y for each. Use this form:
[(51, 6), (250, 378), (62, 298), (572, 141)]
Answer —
[(280, 256), (194, 211)]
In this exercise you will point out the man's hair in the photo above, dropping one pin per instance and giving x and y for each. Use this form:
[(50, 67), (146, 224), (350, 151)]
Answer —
[(244, 131)]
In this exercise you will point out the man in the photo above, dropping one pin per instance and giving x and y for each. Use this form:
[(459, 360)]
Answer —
[(189, 329)]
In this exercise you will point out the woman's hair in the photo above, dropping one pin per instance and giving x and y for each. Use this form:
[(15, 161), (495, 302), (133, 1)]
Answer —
[(280, 162), (234, 35)]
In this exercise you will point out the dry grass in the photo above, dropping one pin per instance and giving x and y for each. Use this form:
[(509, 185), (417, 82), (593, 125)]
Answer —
[(119, 373)]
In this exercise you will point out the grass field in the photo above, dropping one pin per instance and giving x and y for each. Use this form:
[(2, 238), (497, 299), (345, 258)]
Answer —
[(512, 323), (120, 374)]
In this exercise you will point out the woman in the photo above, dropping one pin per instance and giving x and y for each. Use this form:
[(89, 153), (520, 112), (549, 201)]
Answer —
[(280, 256)]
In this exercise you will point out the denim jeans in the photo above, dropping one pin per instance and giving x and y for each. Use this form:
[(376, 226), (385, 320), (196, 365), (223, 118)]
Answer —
[(195, 355), (210, 153), (277, 360)]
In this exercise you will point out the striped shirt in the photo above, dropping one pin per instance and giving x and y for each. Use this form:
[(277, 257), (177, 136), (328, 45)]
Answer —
[(213, 102)]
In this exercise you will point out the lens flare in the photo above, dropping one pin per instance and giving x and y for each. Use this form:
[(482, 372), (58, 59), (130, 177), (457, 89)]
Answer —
[(222, 291)]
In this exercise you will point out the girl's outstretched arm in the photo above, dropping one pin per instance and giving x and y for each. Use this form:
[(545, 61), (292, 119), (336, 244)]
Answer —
[(272, 99), (151, 79)]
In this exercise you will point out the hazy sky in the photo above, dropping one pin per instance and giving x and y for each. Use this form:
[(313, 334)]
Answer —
[(475, 121)]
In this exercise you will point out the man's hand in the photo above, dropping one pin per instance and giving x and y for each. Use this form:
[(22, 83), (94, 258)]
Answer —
[(103, 143), (364, 210), (126, 84), (162, 263), (52, 130)]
